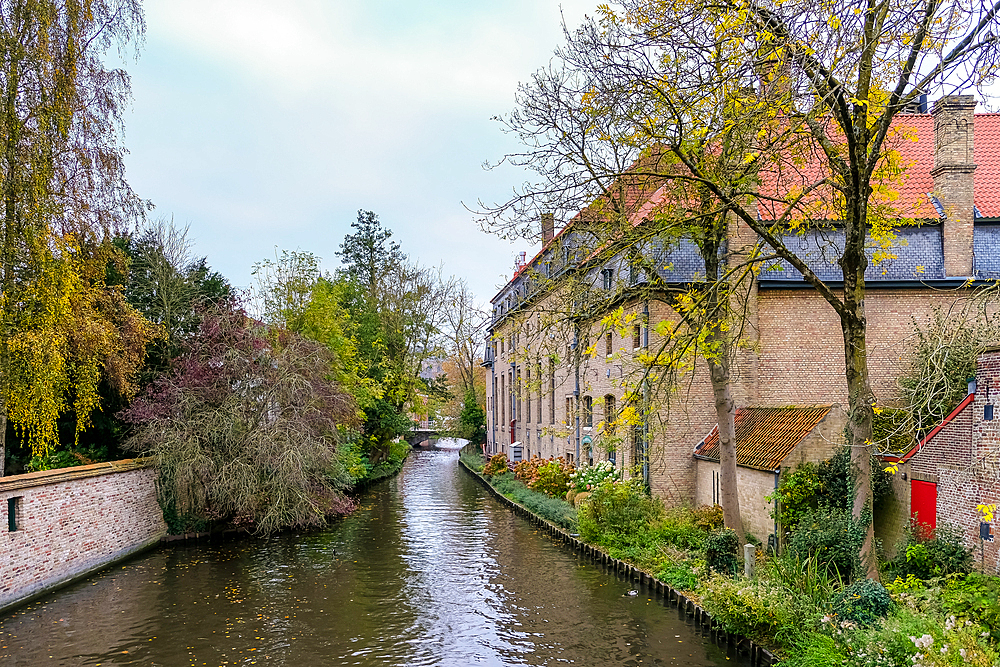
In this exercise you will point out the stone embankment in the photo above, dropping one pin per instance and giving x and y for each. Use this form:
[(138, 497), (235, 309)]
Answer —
[(687, 608)]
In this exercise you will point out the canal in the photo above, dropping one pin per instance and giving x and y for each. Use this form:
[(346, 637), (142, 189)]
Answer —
[(430, 570)]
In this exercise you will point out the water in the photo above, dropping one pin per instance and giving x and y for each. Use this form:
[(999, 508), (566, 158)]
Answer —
[(430, 570)]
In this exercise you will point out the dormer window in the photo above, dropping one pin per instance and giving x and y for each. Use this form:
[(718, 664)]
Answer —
[(607, 276)]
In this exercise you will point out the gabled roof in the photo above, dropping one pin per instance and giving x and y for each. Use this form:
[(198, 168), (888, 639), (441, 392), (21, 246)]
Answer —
[(966, 402), (766, 436)]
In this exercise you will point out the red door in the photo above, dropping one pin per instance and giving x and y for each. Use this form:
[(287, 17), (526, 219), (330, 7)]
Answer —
[(923, 502)]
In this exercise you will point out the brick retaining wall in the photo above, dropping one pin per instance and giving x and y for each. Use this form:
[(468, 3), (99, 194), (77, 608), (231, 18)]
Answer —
[(72, 522)]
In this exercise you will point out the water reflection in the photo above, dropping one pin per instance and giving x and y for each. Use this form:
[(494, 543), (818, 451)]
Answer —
[(429, 571)]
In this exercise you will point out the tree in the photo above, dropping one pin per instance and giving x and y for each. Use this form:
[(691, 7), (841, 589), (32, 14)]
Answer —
[(823, 83), (62, 187), (368, 255), (169, 286), (245, 428)]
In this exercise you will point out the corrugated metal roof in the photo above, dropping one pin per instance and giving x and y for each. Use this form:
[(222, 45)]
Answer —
[(765, 436)]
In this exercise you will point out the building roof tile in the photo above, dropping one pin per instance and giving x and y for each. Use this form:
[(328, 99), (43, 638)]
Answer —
[(765, 436)]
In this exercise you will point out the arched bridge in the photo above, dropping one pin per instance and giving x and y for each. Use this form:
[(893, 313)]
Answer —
[(422, 437)]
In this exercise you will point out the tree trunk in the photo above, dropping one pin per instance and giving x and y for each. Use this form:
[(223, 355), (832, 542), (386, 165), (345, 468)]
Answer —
[(859, 432), (3, 435), (725, 410)]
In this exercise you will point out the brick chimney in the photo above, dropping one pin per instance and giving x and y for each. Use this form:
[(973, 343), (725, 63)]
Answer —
[(548, 227), (953, 168)]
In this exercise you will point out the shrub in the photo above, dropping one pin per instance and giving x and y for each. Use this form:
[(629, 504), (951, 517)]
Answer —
[(797, 494), (497, 465), (679, 575), (707, 517), (863, 602), (621, 509), (722, 551), (753, 608), (974, 597), (525, 470), (831, 537), (907, 638), (588, 477), (932, 553), (551, 478)]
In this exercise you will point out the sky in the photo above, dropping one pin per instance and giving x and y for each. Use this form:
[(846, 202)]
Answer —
[(266, 126)]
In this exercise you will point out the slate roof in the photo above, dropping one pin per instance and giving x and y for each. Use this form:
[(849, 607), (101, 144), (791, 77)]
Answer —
[(765, 436)]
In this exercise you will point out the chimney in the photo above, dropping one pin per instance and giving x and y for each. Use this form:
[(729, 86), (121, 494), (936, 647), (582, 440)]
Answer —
[(953, 168), (548, 227)]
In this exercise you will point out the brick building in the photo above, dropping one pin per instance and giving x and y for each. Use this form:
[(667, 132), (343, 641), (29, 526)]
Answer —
[(556, 374), (956, 467)]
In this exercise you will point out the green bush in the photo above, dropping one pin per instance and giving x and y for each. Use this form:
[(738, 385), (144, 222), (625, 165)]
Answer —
[(831, 537), (907, 638), (936, 553), (974, 597), (617, 509), (707, 517), (722, 551), (679, 575), (797, 494), (753, 608), (552, 478), (864, 602)]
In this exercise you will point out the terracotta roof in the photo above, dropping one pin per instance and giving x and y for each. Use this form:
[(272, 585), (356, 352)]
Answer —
[(766, 436), (913, 139)]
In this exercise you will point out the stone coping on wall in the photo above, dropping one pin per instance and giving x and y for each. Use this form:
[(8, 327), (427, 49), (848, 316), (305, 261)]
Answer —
[(758, 655), (43, 477)]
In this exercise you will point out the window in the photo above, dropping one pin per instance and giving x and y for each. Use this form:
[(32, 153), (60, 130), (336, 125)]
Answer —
[(515, 410), (633, 273), (493, 403), (609, 344), (606, 278), (588, 412), (13, 507), (569, 411), (503, 402), (538, 376), (527, 395), (636, 336), (552, 391), (610, 414), (638, 447)]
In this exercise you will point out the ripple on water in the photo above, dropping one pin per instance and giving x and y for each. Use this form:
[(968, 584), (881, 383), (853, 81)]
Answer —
[(429, 571)]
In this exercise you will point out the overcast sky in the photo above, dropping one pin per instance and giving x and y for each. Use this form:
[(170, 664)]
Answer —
[(268, 125)]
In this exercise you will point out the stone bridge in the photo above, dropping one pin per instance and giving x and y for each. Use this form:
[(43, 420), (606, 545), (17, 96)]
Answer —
[(422, 437)]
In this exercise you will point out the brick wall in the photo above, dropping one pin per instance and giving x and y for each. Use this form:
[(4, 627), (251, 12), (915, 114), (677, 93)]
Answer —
[(753, 487), (802, 346), (73, 521)]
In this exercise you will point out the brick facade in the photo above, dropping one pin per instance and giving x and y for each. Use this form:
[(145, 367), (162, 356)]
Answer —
[(791, 350), (71, 522), (960, 458)]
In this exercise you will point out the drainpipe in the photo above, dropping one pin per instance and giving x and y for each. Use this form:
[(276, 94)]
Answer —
[(645, 401), (493, 391), (576, 389), (777, 476)]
